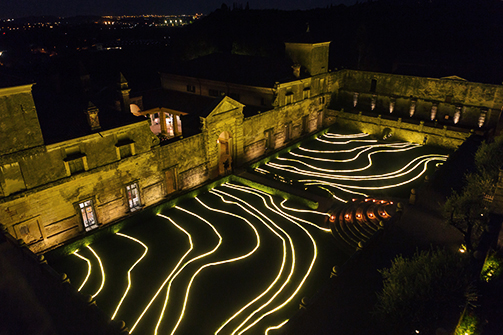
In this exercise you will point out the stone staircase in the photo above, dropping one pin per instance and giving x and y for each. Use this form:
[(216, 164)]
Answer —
[(354, 224)]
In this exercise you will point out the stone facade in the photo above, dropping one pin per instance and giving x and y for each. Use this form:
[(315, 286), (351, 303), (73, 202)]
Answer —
[(45, 190), (448, 101)]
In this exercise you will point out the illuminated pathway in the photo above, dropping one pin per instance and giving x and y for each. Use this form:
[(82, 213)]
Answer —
[(356, 170)]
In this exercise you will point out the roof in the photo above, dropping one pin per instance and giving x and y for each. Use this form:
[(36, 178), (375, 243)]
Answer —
[(62, 117), (307, 38), (238, 69)]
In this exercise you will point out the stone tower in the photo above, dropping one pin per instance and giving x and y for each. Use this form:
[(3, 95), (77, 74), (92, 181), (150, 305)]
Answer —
[(309, 51)]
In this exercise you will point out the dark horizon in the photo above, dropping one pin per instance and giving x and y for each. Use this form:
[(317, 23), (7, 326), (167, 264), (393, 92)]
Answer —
[(69, 8)]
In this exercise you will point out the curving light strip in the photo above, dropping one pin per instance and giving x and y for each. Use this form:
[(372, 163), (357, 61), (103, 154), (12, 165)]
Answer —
[(275, 327), (399, 144), (347, 142), (170, 275), (389, 175), (278, 276), (322, 182), (366, 148), (332, 194), (334, 135), (301, 210), (369, 158), (88, 269), (278, 211), (102, 272), (205, 266), (129, 271)]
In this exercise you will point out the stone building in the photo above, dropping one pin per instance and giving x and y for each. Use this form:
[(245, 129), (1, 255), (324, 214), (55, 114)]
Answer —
[(68, 169)]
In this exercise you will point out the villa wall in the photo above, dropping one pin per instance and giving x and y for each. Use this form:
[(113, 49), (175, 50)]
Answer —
[(414, 133), (374, 93)]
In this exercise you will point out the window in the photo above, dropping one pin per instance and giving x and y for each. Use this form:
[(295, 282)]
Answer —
[(88, 215), (191, 88), (213, 93), (306, 92), (288, 97), (124, 147), (133, 196), (288, 131), (268, 139), (373, 85), (262, 101)]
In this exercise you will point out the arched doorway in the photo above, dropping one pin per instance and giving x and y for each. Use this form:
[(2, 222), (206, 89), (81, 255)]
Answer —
[(224, 142)]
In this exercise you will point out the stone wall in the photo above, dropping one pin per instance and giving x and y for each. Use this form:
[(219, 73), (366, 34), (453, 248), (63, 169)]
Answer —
[(19, 126), (48, 215), (414, 133), (447, 101)]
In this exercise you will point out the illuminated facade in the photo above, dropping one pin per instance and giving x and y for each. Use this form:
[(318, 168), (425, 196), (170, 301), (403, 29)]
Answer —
[(53, 192)]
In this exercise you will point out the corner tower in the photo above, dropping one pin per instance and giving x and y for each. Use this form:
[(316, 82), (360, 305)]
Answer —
[(309, 51)]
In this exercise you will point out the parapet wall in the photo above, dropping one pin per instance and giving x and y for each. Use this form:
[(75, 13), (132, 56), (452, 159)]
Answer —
[(400, 130)]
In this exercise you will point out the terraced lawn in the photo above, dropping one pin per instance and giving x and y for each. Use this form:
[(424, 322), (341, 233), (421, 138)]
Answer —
[(230, 261), (348, 165)]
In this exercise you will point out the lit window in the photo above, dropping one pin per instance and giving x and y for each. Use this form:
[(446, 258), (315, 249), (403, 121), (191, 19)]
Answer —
[(133, 196), (88, 215)]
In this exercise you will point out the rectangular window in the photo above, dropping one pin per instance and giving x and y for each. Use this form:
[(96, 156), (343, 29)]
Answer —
[(88, 215), (268, 139), (306, 92), (133, 196), (124, 147), (191, 88), (288, 98), (373, 85)]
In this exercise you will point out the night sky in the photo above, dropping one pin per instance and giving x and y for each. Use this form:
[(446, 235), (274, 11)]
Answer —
[(22, 8)]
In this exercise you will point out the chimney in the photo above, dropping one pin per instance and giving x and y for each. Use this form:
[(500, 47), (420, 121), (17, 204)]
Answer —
[(296, 70), (124, 90), (92, 116)]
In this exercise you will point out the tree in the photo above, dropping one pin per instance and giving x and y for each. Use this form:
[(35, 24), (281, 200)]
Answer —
[(468, 210), (424, 292)]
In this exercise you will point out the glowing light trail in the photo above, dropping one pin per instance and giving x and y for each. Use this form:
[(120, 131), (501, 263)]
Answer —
[(275, 327), (208, 265), (88, 269), (220, 193), (169, 276), (347, 142), (102, 272), (353, 149), (422, 159), (405, 146), (301, 210), (129, 271), (334, 135), (369, 158), (315, 250)]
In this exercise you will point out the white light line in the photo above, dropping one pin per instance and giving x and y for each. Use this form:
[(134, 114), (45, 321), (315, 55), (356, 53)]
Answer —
[(102, 272), (170, 275), (278, 211), (369, 159), (406, 146), (205, 266), (275, 327), (347, 142), (301, 210), (88, 269), (130, 269), (220, 193), (389, 175)]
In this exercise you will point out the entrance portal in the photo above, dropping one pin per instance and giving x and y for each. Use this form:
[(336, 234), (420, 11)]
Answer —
[(224, 153)]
